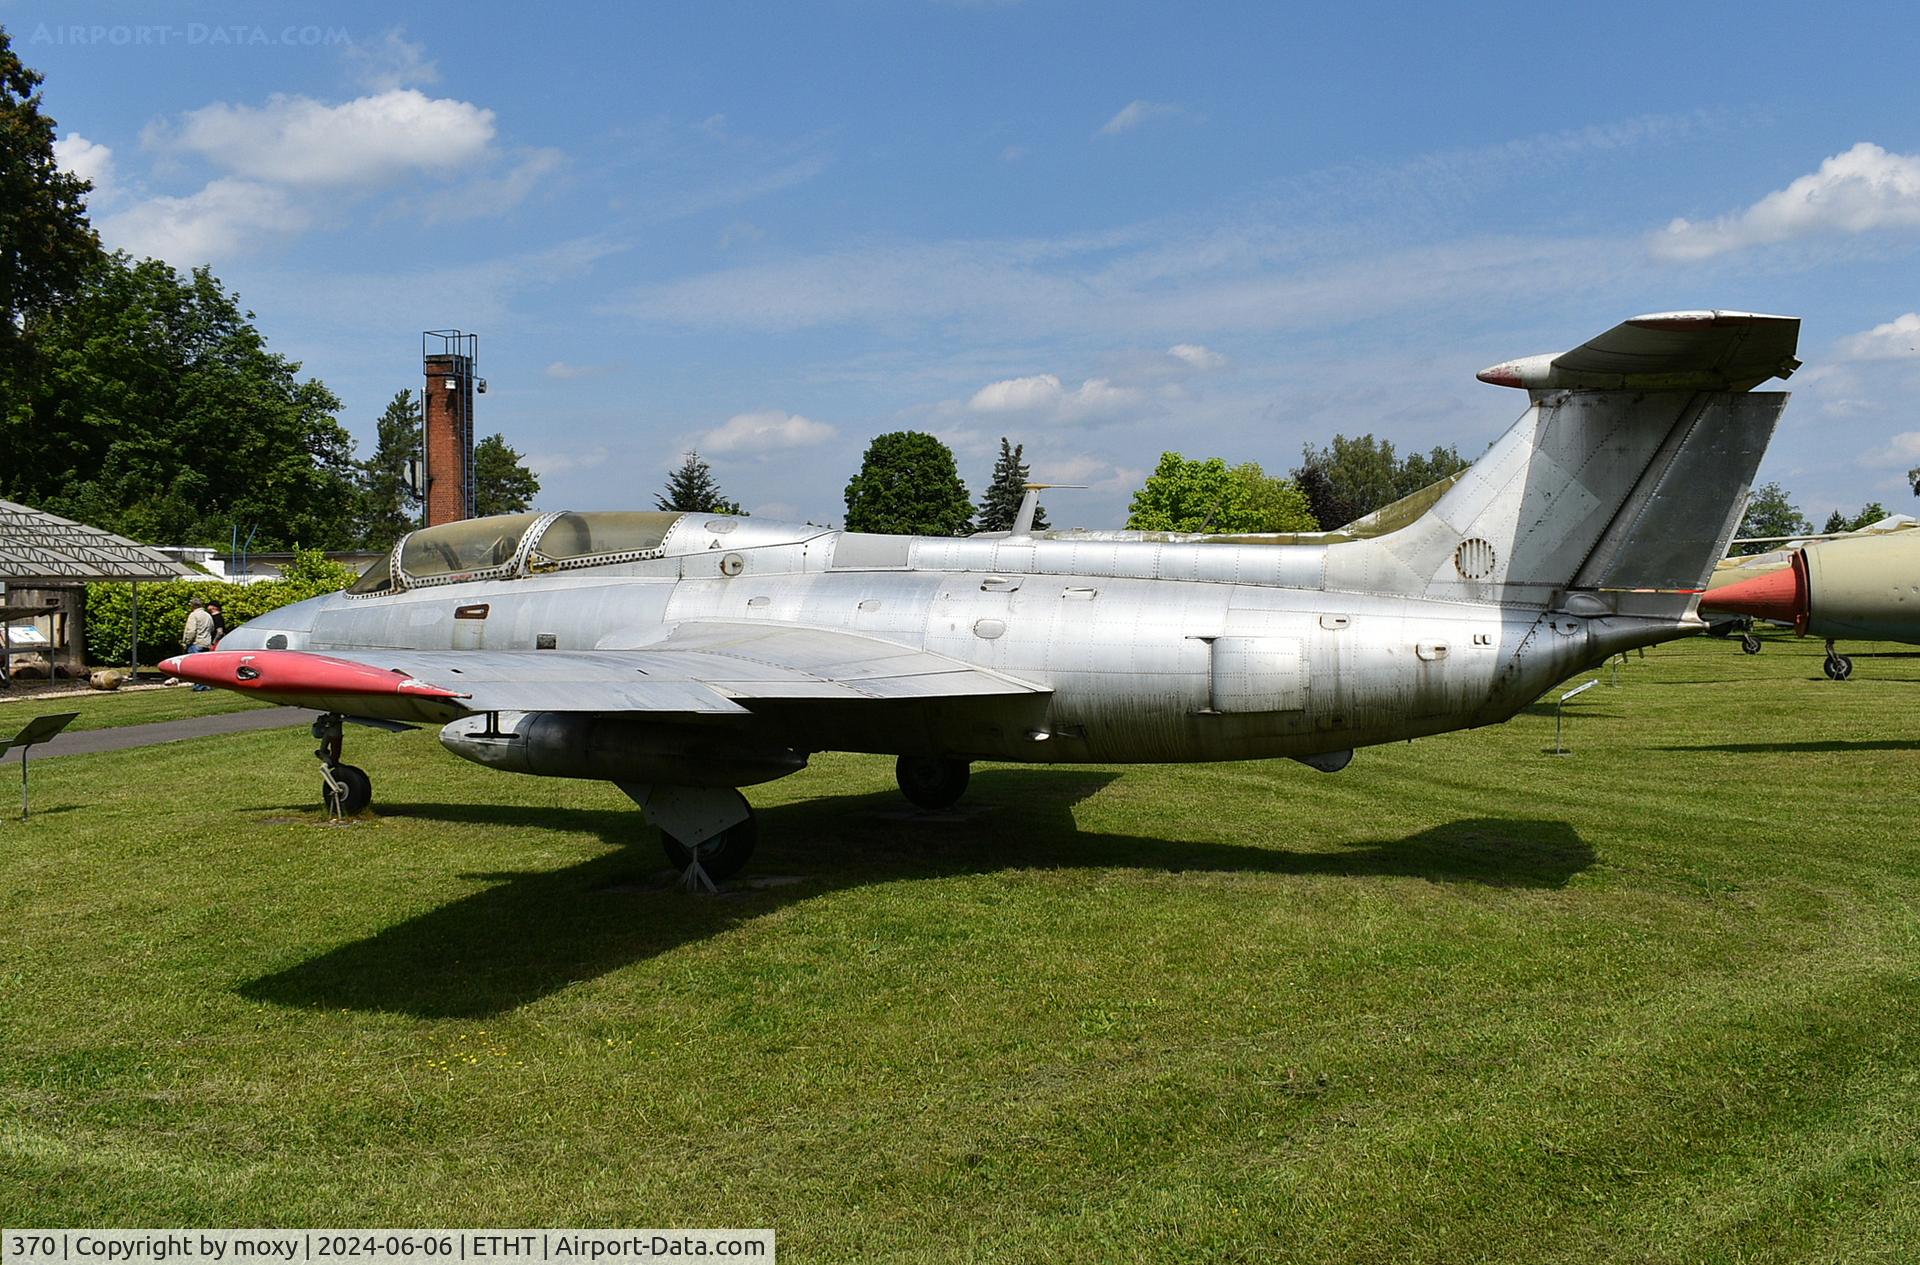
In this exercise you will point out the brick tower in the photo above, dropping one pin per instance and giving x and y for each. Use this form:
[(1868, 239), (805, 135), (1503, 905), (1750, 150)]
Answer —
[(449, 358)]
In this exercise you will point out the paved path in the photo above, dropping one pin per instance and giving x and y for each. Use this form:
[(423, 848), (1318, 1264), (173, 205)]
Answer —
[(89, 741)]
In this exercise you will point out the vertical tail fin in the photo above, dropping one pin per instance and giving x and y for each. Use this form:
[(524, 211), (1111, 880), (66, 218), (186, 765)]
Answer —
[(1623, 481)]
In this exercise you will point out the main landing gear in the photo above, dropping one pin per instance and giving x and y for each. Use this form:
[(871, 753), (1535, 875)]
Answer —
[(708, 832), (1838, 667), (345, 789), (930, 782)]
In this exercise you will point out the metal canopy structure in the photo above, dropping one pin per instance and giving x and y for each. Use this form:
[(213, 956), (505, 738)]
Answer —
[(41, 548), (38, 548)]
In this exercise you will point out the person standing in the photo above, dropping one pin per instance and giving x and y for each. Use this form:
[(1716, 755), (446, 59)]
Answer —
[(219, 618), (197, 636)]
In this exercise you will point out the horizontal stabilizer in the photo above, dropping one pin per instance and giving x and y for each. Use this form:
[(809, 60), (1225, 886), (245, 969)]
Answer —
[(1665, 351)]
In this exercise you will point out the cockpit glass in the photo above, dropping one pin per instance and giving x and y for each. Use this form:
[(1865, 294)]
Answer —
[(473, 544), (378, 579), (605, 532)]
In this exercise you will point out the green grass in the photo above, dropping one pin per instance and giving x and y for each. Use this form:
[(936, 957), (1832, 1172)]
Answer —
[(1655, 1002), (109, 711)]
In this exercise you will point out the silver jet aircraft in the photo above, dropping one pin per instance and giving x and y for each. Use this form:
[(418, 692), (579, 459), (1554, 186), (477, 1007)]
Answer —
[(682, 656)]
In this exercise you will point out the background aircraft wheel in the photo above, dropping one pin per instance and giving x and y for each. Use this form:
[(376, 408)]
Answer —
[(1838, 667), (722, 856), (1749, 643), (931, 783), (359, 788)]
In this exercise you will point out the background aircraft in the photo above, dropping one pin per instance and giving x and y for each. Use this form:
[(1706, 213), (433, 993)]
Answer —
[(1865, 585), (683, 656)]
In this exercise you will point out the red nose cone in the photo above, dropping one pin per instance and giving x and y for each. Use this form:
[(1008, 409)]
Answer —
[(1779, 595), (284, 672)]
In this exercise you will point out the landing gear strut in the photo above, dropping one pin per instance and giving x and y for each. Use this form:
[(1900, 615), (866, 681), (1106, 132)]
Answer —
[(345, 789), (1838, 667), (930, 782)]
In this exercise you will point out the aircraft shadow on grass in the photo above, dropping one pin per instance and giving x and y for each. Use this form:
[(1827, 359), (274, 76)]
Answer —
[(532, 933), (1833, 744)]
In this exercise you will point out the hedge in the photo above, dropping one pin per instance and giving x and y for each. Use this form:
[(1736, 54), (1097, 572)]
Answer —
[(163, 607)]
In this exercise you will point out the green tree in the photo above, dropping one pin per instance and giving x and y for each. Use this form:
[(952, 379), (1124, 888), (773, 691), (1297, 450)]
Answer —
[(501, 484), (1001, 504), (909, 485), (389, 507), (1186, 496), (1770, 513), (1870, 513), (46, 244), (1183, 495), (156, 410), (692, 488), (1272, 504), (1350, 478)]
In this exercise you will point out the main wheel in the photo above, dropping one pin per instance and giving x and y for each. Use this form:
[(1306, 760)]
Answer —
[(1838, 667), (358, 787), (932, 783), (1749, 643), (722, 856)]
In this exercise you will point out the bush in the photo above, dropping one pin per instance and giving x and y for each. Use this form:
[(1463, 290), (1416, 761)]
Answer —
[(163, 607)]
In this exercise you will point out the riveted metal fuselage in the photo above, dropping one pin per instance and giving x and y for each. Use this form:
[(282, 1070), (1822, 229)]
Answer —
[(1148, 651)]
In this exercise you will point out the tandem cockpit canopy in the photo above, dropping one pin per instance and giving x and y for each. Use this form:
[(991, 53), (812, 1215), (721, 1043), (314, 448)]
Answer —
[(513, 544)]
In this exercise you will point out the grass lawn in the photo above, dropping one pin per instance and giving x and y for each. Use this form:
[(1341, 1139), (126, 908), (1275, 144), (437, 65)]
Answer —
[(1657, 1001), (108, 711)]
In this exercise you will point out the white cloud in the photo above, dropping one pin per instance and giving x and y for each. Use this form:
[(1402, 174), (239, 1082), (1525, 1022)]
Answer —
[(1027, 288), (1859, 191), (1135, 113), (740, 232), (492, 193), (226, 218), (1013, 153), (1897, 339), (566, 371), (391, 61), (1044, 398), (1016, 395), (1200, 358), (1901, 450), (767, 430), (78, 156), (550, 464), (305, 143)]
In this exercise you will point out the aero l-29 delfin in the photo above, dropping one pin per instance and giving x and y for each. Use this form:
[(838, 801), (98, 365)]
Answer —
[(682, 656)]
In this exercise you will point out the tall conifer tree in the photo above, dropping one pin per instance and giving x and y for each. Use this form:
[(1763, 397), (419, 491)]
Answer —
[(1002, 500), (692, 488)]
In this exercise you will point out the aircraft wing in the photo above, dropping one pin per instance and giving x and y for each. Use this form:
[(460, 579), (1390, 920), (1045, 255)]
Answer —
[(696, 670)]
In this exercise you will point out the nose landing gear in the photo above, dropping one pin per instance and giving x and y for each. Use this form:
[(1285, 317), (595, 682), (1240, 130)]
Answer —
[(1838, 667), (345, 789)]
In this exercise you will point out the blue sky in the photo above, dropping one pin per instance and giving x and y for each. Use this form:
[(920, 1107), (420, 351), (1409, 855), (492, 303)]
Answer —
[(773, 231)]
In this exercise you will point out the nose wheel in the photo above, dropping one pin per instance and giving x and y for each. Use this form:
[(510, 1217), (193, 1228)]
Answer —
[(1838, 667), (345, 789)]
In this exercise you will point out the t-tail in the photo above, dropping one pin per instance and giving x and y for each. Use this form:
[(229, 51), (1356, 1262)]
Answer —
[(1619, 488)]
